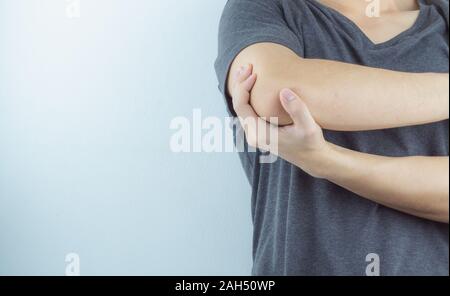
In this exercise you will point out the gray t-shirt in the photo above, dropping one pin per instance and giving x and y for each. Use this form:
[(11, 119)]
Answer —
[(307, 226)]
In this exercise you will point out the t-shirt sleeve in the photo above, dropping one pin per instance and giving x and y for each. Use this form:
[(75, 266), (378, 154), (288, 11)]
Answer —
[(247, 22)]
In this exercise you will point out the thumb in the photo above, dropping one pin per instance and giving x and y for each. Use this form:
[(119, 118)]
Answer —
[(296, 108)]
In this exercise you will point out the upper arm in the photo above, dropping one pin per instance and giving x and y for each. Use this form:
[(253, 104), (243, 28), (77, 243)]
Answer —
[(275, 66), (340, 96), (257, 32)]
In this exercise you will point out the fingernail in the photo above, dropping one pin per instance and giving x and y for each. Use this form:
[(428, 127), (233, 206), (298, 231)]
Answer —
[(288, 95)]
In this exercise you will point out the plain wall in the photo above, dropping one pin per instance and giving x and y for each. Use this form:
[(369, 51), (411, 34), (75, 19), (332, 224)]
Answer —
[(85, 162)]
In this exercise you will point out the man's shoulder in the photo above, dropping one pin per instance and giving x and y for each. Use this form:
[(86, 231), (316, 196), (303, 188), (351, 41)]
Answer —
[(283, 5)]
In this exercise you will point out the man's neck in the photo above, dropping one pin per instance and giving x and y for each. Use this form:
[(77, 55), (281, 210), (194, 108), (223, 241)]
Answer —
[(357, 6)]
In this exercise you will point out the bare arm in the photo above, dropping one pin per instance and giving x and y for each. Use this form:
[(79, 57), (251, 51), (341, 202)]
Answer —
[(414, 185), (342, 96)]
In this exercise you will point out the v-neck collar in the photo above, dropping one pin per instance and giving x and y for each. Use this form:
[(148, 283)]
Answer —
[(394, 40)]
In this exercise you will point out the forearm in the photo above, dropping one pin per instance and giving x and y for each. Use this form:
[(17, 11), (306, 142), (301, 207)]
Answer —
[(349, 97), (415, 185), (343, 96)]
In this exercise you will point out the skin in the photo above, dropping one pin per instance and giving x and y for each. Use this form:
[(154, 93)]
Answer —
[(341, 96), (344, 97), (394, 18), (414, 185), (347, 97)]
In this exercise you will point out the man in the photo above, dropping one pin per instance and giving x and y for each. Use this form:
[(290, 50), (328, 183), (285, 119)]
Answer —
[(362, 102)]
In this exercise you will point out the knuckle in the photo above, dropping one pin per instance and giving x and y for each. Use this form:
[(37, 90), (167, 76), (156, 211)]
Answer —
[(309, 132)]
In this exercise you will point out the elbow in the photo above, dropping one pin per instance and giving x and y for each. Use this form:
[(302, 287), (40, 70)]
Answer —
[(265, 99), (276, 68)]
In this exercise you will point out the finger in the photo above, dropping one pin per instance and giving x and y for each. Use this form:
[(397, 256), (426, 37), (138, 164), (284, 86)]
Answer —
[(296, 108), (241, 96), (243, 72), (259, 132), (241, 75), (249, 82)]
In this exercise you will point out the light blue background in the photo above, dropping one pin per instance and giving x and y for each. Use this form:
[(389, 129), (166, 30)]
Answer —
[(85, 164)]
